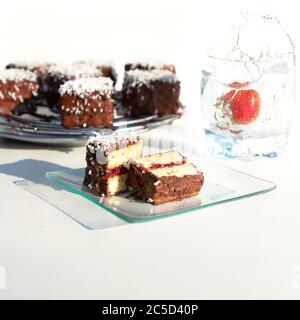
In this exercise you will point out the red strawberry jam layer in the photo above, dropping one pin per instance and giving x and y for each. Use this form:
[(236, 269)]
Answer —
[(166, 165), (117, 172)]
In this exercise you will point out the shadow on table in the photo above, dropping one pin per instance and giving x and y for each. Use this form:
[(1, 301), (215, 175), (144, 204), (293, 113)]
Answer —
[(14, 144), (32, 170)]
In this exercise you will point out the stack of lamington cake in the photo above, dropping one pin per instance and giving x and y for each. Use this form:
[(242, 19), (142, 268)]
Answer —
[(51, 76), (147, 89), (115, 163)]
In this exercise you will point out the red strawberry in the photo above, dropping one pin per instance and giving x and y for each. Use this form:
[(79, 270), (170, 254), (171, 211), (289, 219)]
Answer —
[(244, 105)]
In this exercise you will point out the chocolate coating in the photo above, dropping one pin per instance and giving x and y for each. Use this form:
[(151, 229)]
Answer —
[(160, 98), (84, 112), (14, 92)]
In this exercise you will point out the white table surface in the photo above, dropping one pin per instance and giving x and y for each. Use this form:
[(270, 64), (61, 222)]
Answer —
[(244, 249)]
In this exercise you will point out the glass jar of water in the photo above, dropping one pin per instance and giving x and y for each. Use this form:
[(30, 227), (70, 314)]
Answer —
[(248, 95)]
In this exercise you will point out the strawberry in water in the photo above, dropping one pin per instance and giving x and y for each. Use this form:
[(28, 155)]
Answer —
[(244, 105)]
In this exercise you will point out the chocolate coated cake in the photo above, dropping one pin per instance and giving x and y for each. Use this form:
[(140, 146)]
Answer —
[(87, 102), (16, 86), (58, 75), (106, 157), (164, 177), (40, 68), (154, 92)]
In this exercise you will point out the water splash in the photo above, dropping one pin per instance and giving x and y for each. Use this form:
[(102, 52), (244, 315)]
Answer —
[(259, 39)]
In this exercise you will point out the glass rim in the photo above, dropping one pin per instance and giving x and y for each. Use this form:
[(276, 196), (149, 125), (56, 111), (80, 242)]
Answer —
[(220, 58)]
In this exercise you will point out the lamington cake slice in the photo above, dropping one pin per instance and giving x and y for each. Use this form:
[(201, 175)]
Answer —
[(59, 74), (164, 177), (154, 92), (41, 69), (16, 86), (87, 102), (106, 157)]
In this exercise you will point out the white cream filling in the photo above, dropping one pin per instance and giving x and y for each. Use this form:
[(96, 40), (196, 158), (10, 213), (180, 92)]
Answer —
[(117, 184), (160, 158), (178, 171), (118, 157)]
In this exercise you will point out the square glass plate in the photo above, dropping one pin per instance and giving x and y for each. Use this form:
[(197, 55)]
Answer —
[(222, 184)]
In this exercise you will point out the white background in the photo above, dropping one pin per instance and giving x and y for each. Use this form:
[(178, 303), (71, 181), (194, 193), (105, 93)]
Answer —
[(177, 31), (64, 30), (247, 249)]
